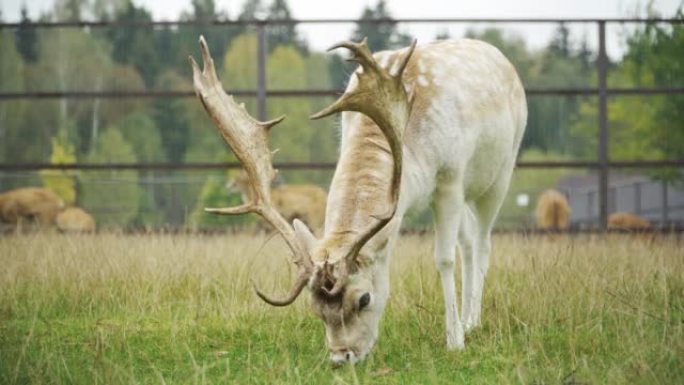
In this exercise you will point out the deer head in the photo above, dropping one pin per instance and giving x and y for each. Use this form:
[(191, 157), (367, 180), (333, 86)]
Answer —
[(340, 282)]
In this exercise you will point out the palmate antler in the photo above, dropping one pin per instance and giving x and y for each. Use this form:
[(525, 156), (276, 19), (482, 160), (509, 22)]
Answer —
[(249, 140), (381, 96)]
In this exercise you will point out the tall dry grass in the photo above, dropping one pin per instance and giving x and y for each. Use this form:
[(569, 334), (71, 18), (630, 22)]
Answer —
[(113, 308)]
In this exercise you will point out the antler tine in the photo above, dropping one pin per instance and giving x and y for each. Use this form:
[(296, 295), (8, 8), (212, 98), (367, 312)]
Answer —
[(248, 138), (381, 96), (361, 52), (405, 59), (297, 288)]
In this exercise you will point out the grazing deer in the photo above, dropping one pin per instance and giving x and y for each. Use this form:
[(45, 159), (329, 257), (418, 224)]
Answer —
[(553, 211), (305, 202), (444, 120)]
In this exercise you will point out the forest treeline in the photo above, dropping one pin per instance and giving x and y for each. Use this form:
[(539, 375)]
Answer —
[(138, 58)]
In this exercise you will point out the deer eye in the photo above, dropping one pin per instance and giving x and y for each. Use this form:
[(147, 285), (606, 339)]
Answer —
[(364, 300)]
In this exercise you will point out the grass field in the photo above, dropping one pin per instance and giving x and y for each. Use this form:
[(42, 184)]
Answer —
[(179, 309)]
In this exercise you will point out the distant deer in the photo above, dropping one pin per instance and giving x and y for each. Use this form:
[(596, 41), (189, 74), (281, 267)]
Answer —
[(442, 120), (305, 202), (75, 220), (29, 205), (627, 221), (553, 211)]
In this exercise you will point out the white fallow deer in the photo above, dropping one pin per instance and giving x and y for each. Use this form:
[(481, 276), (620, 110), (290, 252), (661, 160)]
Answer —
[(442, 120)]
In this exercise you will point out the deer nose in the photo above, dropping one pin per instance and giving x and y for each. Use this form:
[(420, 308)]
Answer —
[(343, 356)]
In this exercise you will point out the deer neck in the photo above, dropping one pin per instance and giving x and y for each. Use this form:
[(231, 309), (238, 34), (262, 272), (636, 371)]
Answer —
[(361, 185)]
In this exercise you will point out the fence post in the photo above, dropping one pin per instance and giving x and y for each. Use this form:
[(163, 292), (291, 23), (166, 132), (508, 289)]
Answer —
[(602, 69), (663, 213), (262, 50)]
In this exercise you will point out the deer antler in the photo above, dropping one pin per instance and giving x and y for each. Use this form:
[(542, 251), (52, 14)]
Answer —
[(381, 96), (249, 140)]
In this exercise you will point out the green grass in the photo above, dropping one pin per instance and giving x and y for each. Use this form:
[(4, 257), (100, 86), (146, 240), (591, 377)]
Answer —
[(179, 309)]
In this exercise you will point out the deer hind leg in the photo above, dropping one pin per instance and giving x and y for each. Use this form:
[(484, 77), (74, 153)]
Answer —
[(486, 208), (468, 240), (448, 206)]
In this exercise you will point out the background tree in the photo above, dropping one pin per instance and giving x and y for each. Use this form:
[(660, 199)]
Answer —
[(203, 14), (170, 116), (641, 128), (383, 35), (70, 59), (112, 196), (380, 36), (26, 38), (135, 45), (11, 116), (287, 70), (140, 131), (239, 68), (283, 34), (62, 182), (214, 194), (252, 10)]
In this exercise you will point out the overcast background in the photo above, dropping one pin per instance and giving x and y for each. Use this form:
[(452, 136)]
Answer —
[(320, 37)]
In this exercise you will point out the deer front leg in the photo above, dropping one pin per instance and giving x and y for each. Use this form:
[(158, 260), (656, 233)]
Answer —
[(448, 207)]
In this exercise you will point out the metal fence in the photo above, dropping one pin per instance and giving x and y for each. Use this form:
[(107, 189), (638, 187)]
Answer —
[(603, 165)]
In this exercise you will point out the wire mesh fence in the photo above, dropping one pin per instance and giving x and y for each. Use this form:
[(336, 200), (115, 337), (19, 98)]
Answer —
[(139, 152)]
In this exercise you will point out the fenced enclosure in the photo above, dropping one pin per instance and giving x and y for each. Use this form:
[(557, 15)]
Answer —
[(116, 128)]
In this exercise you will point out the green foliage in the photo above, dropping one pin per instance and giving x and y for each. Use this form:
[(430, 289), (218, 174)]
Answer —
[(639, 127), (279, 35), (287, 70), (214, 194), (109, 111), (239, 68), (184, 39), (171, 118), (113, 195), (135, 46), (26, 38), (11, 111), (323, 142), (655, 59), (71, 59), (61, 182), (140, 131)]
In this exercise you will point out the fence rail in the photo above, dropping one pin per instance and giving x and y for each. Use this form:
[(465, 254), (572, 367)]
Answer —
[(602, 91), (308, 93), (308, 165), (245, 23)]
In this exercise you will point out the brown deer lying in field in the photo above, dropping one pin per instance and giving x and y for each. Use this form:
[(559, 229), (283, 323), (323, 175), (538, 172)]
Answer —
[(29, 205), (442, 120), (553, 211), (75, 220), (627, 221), (305, 202)]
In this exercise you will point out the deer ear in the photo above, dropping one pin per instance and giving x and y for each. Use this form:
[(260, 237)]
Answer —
[(304, 235)]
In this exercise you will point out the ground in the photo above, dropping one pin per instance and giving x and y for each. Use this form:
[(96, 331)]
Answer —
[(179, 309)]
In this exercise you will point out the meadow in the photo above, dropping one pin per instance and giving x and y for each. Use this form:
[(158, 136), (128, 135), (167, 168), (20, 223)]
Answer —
[(179, 309)]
